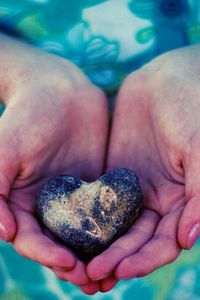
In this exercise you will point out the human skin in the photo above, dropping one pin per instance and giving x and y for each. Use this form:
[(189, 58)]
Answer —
[(156, 132), (55, 122)]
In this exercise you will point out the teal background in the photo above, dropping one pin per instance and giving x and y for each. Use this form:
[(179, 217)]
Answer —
[(22, 279), (66, 28)]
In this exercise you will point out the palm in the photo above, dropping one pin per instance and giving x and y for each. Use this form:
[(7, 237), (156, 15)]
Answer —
[(33, 241), (157, 227), (163, 200), (69, 138), (155, 132)]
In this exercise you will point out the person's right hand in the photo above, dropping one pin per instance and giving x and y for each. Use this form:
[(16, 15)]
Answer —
[(156, 132), (55, 122)]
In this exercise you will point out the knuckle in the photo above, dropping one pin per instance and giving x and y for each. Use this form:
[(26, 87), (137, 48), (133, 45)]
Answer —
[(167, 238), (118, 247)]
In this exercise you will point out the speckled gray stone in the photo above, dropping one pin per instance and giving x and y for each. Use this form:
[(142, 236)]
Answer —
[(88, 217)]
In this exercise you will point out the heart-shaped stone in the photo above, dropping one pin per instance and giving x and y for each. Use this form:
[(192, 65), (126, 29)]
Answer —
[(88, 217)]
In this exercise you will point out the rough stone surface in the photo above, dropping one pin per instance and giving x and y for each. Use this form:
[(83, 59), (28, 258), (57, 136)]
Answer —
[(88, 217)]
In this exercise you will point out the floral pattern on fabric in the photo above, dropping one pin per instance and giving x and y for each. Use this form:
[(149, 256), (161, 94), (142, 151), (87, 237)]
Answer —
[(65, 28)]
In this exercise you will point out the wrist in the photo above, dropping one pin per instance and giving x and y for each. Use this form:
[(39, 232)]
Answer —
[(13, 57), (23, 66)]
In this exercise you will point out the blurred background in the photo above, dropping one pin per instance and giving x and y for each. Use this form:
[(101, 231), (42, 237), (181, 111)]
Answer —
[(22, 279)]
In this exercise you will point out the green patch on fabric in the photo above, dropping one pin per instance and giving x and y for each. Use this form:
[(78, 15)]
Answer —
[(15, 294), (145, 35), (32, 28), (193, 34)]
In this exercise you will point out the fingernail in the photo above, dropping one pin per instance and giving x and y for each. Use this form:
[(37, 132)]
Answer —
[(3, 233), (193, 235)]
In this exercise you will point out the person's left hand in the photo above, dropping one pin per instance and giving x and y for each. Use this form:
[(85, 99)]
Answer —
[(156, 132), (55, 122)]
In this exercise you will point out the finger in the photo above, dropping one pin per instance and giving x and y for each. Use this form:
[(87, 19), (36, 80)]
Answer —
[(108, 284), (141, 231), (33, 244), (189, 226), (7, 221), (91, 288), (160, 250), (9, 168), (105, 285), (76, 276)]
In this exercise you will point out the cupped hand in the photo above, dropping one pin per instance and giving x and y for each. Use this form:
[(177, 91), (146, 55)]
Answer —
[(156, 132), (55, 122)]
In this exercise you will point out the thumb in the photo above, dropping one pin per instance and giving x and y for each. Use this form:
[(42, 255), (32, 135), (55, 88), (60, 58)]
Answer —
[(7, 222), (8, 171), (189, 224)]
